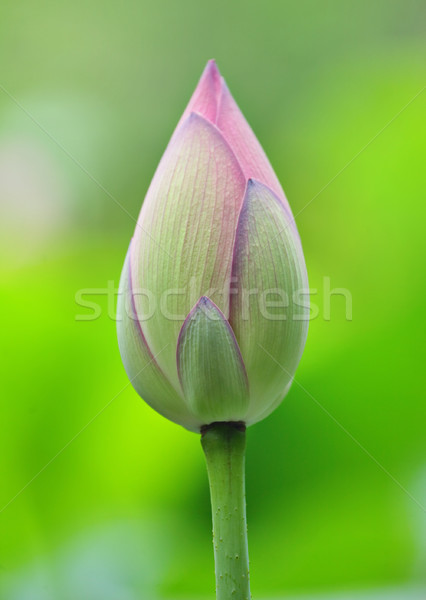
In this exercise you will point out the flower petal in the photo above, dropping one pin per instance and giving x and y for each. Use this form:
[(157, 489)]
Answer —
[(268, 268), (235, 129), (213, 100), (140, 364), (183, 245), (206, 96), (210, 366)]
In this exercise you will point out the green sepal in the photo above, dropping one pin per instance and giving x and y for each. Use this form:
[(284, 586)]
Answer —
[(210, 367)]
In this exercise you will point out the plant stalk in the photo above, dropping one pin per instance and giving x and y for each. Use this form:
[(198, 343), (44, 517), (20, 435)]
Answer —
[(224, 447)]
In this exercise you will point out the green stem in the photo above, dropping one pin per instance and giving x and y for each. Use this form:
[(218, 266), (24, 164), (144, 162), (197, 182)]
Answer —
[(224, 446)]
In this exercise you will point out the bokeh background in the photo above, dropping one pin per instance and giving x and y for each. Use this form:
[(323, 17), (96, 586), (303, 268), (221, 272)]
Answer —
[(101, 498)]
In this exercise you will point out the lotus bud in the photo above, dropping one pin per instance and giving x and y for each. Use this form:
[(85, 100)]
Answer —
[(211, 320)]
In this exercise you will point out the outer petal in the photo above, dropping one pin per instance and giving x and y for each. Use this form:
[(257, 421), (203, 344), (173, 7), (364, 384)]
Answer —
[(245, 145), (141, 366), (183, 247), (268, 267), (213, 100), (210, 366)]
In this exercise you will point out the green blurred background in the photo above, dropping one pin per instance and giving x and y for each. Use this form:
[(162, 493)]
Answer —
[(100, 497)]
